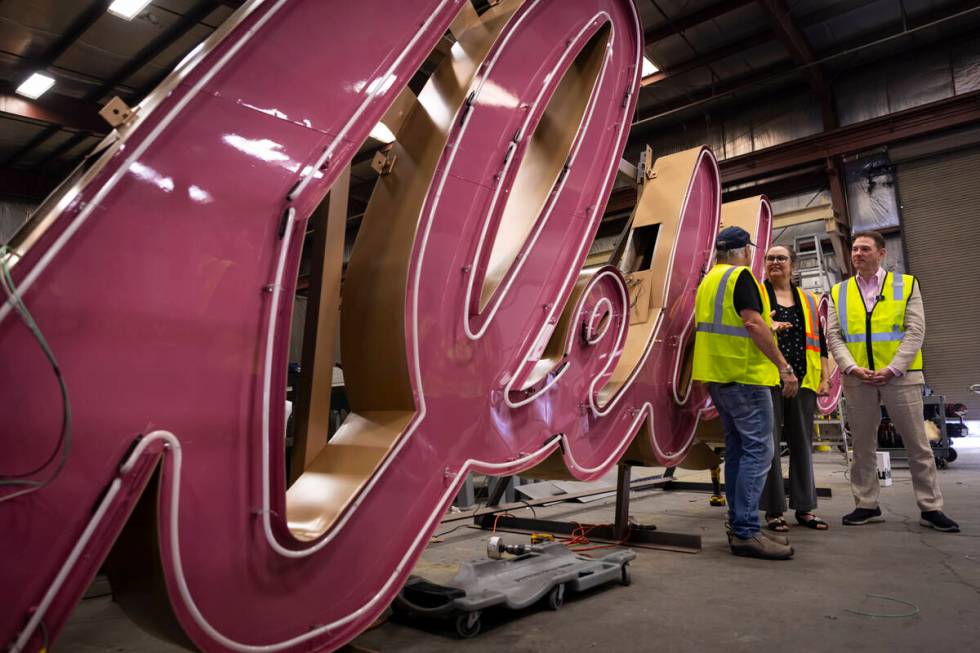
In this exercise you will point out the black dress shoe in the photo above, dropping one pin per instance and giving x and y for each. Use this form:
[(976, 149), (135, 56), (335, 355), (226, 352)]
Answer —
[(863, 516), (936, 519)]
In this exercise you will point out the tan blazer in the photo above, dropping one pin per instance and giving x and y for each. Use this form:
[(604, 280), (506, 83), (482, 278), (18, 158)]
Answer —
[(915, 334)]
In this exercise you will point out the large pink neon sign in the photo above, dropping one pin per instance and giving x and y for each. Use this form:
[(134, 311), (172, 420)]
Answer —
[(162, 282)]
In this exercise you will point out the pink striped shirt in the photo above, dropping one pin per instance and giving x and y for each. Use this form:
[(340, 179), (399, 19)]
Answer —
[(871, 288)]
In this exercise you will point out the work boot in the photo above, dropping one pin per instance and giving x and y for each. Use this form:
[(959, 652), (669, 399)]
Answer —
[(778, 539), (759, 546), (936, 519)]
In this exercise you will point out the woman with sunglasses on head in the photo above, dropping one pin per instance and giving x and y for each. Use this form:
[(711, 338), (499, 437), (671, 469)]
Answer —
[(801, 341)]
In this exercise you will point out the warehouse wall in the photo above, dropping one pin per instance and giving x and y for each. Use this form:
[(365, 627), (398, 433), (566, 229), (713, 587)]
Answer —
[(771, 121), (939, 198), (861, 94), (908, 81)]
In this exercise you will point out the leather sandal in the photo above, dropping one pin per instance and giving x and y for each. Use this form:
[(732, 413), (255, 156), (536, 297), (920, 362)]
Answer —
[(777, 523), (810, 520)]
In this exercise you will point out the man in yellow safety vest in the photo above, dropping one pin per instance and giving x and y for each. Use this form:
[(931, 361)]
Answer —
[(875, 331), (736, 355)]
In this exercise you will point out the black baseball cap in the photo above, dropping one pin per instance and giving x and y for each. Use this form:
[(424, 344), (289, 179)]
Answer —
[(732, 238)]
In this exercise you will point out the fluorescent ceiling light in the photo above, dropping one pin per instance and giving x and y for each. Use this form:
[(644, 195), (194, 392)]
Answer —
[(35, 86), (382, 133), (127, 9), (648, 67)]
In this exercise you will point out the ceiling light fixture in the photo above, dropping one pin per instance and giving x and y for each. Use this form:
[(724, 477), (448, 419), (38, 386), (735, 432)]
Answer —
[(382, 133), (649, 68), (35, 86), (127, 9)]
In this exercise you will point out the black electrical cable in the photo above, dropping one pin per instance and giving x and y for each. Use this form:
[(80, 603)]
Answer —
[(527, 505), (45, 637), (64, 439)]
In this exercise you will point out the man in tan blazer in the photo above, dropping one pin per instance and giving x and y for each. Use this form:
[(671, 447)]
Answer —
[(875, 331)]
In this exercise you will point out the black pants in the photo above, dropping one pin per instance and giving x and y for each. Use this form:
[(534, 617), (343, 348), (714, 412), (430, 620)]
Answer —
[(792, 423)]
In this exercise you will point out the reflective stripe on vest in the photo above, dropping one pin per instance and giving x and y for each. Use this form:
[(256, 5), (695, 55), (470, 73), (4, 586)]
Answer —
[(723, 350), (808, 302), (879, 332)]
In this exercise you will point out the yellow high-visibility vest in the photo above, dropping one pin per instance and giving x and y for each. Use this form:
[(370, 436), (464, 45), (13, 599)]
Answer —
[(723, 350), (874, 338), (811, 324)]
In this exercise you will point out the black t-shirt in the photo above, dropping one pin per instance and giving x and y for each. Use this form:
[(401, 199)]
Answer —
[(792, 342), (746, 294)]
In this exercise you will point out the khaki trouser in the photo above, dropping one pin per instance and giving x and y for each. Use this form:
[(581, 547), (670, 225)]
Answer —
[(904, 405)]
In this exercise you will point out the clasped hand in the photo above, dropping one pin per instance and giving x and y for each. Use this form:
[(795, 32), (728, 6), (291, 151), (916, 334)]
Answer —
[(871, 377)]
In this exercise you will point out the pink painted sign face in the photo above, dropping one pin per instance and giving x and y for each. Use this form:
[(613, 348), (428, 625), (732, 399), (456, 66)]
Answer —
[(163, 284), (828, 403)]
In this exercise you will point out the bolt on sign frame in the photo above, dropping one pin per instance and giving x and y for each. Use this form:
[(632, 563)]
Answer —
[(162, 277)]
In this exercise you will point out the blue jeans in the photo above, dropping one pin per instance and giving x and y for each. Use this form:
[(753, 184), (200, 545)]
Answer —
[(746, 418)]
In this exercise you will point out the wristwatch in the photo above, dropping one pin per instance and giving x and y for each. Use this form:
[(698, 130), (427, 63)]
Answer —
[(787, 370)]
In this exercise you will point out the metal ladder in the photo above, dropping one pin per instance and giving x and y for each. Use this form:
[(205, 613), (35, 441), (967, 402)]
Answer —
[(811, 266)]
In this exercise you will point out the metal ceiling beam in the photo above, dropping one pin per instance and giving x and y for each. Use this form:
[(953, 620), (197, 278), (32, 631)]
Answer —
[(929, 118), (830, 10), (93, 100), (29, 146), (935, 116), (686, 22), (78, 27), (53, 109), (770, 75), (154, 48), (811, 178), (66, 147), (708, 94), (705, 59), (753, 39), (802, 54)]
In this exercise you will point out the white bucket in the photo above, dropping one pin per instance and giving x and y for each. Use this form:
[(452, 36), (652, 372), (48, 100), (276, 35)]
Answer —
[(884, 463)]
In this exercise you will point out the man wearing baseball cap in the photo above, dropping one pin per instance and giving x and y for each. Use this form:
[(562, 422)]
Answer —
[(736, 355)]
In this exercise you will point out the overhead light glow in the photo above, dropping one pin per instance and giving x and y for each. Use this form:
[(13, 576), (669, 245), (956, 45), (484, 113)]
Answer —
[(382, 133), (35, 86), (127, 9), (648, 67)]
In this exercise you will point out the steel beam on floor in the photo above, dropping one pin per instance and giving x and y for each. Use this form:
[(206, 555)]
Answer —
[(691, 486), (622, 532)]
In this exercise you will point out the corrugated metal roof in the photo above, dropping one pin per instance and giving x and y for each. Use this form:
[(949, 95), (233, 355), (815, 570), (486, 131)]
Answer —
[(714, 54)]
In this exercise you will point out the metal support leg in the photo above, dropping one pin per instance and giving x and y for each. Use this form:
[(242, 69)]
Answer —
[(502, 487), (621, 532), (466, 497), (622, 526)]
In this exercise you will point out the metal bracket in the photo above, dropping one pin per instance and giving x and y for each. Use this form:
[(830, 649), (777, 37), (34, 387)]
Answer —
[(117, 113), (644, 168), (384, 161)]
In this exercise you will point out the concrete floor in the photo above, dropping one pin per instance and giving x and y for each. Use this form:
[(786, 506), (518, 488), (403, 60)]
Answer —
[(683, 602)]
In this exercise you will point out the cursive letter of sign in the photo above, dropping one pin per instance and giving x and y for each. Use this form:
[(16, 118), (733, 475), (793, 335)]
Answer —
[(162, 278), (828, 403)]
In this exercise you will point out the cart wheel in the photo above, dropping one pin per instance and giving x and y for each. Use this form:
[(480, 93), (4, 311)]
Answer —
[(941, 463), (556, 597), (625, 578), (951, 457), (468, 624)]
